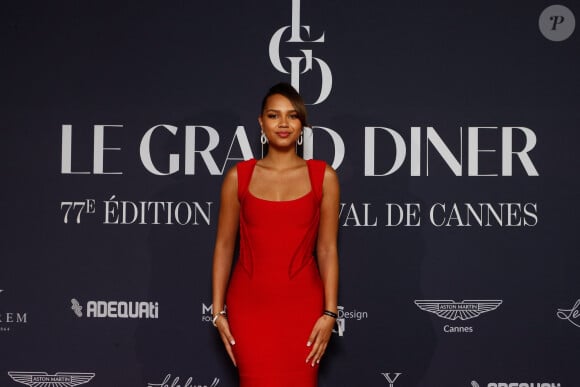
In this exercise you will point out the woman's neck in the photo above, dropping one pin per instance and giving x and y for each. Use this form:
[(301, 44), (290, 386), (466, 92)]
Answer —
[(281, 159)]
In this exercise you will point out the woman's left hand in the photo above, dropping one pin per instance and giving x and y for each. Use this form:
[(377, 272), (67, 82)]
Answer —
[(319, 338)]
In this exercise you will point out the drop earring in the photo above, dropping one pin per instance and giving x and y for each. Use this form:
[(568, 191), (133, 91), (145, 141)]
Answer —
[(300, 138), (263, 139)]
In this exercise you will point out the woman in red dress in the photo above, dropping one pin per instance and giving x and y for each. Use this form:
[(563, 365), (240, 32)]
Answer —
[(282, 295)]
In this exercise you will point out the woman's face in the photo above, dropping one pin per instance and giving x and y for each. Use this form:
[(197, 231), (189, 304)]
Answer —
[(280, 122)]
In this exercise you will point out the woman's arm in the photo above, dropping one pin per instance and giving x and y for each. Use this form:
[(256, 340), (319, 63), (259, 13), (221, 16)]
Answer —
[(327, 255), (228, 221)]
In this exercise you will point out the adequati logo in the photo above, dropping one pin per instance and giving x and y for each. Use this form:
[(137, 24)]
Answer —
[(296, 68), (344, 315), (572, 315), (11, 318), (464, 310), (60, 379), (169, 382), (516, 384), (391, 377), (117, 309)]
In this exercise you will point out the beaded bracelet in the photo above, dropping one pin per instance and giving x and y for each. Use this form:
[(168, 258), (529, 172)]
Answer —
[(222, 313), (329, 313)]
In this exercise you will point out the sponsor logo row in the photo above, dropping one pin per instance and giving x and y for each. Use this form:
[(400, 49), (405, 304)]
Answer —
[(70, 379), (458, 312)]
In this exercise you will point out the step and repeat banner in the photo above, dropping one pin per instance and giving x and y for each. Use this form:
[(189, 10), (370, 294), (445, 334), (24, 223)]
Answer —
[(454, 129)]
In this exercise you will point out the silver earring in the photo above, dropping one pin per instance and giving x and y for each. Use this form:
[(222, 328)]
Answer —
[(263, 139), (300, 138)]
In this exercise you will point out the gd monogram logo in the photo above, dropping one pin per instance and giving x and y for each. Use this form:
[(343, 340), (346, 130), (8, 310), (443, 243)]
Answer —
[(296, 61)]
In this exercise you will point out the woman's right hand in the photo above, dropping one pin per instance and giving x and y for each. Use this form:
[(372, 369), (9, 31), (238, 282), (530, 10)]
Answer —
[(223, 328)]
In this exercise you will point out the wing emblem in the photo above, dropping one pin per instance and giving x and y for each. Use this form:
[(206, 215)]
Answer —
[(43, 379), (464, 310)]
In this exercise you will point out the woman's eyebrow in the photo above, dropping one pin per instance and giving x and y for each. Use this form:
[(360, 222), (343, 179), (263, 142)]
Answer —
[(276, 110)]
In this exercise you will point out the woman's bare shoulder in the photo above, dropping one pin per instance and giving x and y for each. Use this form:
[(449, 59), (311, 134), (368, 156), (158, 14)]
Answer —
[(231, 178), (330, 175)]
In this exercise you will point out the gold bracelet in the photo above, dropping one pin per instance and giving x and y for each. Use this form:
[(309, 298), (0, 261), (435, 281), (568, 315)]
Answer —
[(222, 313)]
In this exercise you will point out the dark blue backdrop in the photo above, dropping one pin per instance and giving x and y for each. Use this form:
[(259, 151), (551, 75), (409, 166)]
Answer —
[(118, 120)]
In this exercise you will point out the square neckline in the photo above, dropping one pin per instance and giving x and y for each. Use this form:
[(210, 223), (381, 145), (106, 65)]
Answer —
[(310, 191)]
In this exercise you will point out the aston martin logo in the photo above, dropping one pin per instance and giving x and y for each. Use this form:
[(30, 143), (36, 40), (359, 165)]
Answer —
[(464, 310), (60, 379)]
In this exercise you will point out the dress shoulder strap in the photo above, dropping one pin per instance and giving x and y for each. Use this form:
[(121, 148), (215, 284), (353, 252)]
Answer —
[(316, 169), (244, 169)]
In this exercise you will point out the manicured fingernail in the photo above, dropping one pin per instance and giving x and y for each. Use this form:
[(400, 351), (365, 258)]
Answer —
[(308, 344), (232, 342)]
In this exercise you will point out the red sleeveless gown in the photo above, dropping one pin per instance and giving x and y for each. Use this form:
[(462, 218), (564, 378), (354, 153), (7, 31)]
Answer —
[(276, 294)]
